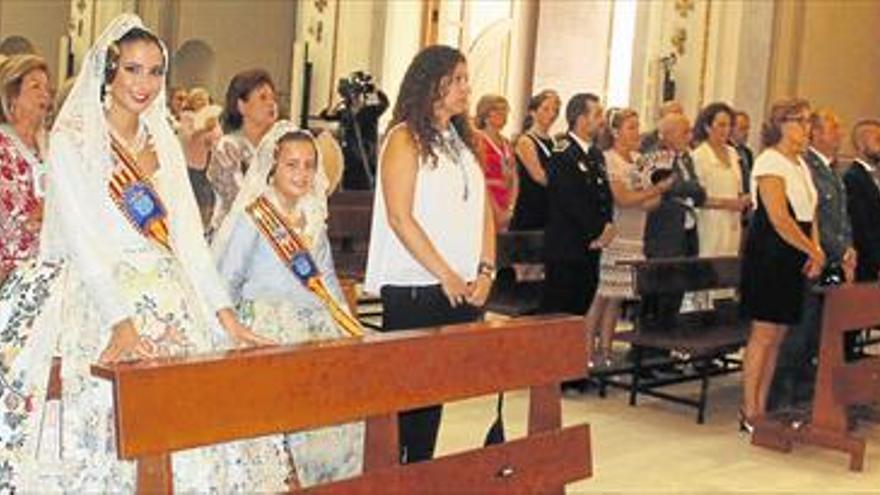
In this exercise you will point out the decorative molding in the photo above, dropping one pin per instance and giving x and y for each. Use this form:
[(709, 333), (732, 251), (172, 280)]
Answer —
[(679, 41), (684, 7), (430, 22), (701, 92), (334, 57)]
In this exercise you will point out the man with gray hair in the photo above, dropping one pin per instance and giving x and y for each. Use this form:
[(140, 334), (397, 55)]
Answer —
[(650, 140), (671, 229)]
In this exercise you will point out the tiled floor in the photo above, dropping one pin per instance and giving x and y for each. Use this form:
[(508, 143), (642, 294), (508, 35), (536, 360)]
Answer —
[(658, 448)]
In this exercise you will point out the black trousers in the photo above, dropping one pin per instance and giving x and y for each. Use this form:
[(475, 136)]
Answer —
[(405, 308), (570, 286)]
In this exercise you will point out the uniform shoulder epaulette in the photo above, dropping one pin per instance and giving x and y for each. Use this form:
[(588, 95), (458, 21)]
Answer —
[(562, 144)]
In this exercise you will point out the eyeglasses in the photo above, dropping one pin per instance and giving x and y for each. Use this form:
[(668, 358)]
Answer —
[(802, 120)]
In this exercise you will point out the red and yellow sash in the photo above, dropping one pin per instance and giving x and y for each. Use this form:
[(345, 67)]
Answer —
[(295, 255), (137, 199)]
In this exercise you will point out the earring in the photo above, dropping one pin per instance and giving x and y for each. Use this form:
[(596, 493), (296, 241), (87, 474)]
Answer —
[(108, 99)]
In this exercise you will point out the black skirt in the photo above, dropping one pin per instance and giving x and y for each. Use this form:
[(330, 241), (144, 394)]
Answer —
[(773, 284)]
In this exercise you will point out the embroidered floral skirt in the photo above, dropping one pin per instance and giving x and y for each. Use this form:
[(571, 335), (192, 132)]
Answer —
[(69, 445), (317, 456)]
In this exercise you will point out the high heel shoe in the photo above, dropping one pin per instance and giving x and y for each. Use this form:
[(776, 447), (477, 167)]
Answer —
[(745, 424)]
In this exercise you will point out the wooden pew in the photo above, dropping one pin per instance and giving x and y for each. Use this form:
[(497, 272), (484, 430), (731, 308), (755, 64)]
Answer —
[(838, 384), (512, 295), (348, 227), (167, 405), (699, 339)]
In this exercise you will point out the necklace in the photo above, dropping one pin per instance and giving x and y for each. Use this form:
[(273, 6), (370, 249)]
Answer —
[(142, 140), (453, 147)]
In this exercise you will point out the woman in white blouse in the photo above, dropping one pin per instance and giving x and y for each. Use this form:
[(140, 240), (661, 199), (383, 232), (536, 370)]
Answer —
[(782, 249), (432, 243), (717, 167)]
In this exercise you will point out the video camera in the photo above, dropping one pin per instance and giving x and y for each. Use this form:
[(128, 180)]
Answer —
[(358, 83)]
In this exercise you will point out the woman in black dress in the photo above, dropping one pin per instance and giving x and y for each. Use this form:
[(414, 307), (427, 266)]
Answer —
[(533, 148), (782, 248)]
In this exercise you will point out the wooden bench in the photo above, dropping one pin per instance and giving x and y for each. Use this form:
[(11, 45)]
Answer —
[(163, 406), (698, 342), (839, 384), (513, 295)]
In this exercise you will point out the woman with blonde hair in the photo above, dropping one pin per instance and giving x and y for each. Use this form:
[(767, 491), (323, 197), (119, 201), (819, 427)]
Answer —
[(498, 161), (634, 195), (25, 100)]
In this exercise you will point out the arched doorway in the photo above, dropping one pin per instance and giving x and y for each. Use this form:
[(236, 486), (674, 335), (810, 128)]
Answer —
[(193, 64), (15, 44)]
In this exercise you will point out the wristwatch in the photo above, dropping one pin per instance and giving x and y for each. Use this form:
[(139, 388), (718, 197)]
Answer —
[(487, 269)]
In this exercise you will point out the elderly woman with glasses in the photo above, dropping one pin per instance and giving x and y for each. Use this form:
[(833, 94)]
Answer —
[(782, 249)]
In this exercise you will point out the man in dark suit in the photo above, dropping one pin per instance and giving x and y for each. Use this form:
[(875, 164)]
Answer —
[(580, 212), (862, 182), (739, 139), (671, 229)]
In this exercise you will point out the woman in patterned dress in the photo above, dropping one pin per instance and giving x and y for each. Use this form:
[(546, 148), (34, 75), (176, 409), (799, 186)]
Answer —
[(126, 274), (634, 196), (286, 182), (24, 102)]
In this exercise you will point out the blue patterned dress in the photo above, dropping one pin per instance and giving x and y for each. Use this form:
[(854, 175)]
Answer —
[(273, 303)]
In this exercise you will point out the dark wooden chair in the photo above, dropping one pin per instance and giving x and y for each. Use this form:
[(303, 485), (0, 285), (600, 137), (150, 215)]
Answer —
[(839, 384), (163, 406), (697, 341)]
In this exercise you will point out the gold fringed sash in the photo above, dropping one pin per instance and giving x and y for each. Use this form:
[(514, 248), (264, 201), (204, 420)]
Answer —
[(137, 199), (295, 255)]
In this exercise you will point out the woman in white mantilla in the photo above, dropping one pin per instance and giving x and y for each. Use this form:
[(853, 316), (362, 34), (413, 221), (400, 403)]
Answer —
[(124, 273), (275, 255)]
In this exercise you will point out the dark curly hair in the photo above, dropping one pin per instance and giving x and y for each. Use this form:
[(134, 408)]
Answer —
[(423, 85), (707, 118)]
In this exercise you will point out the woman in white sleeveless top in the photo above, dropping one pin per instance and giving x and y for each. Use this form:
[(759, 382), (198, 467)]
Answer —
[(432, 243)]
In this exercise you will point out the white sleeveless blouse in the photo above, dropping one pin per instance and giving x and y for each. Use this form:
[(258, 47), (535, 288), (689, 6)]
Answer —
[(448, 203)]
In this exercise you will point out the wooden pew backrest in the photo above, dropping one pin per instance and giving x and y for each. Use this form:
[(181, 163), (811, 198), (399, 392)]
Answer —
[(174, 404), (676, 275)]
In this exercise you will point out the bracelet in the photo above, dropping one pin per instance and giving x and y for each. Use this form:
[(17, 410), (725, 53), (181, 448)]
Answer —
[(487, 269)]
